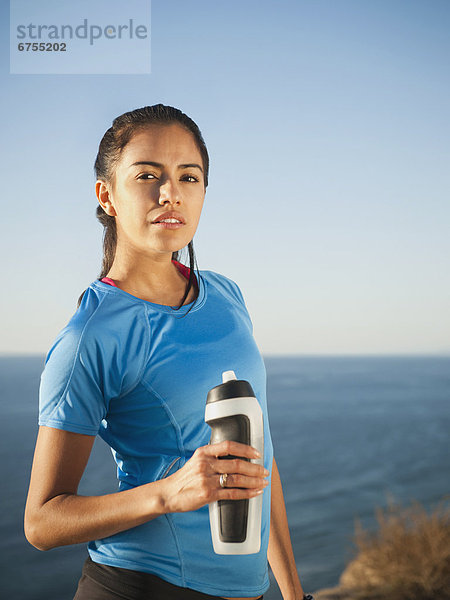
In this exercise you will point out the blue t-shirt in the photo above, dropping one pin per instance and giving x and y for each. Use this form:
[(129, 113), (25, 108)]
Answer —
[(137, 374)]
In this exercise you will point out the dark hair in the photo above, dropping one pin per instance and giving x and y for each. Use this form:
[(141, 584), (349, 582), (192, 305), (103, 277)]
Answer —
[(113, 142)]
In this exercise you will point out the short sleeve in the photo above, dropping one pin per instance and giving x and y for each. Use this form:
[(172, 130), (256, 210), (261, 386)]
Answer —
[(73, 387)]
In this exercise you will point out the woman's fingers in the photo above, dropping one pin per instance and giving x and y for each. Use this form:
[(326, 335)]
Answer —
[(236, 465), (228, 447), (237, 493), (217, 457), (240, 473), (235, 480)]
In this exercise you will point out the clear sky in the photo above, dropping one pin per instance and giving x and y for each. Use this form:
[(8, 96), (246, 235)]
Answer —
[(327, 124)]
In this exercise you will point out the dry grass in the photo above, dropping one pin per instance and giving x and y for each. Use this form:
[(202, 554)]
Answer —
[(407, 558)]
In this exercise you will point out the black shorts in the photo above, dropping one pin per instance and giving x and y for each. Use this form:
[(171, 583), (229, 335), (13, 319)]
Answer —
[(101, 582)]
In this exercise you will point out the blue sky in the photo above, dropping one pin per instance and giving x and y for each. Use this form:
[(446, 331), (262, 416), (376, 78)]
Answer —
[(327, 124)]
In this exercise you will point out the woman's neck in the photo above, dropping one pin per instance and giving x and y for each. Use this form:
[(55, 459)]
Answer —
[(158, 281)]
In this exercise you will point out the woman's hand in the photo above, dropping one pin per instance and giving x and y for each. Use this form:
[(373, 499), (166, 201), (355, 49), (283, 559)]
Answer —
[(197, 482)]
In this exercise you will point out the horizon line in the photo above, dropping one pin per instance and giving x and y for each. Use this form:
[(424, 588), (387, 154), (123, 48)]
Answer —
[(435, 354)]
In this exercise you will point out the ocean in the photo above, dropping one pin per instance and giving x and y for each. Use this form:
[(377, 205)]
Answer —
[(349, 434)]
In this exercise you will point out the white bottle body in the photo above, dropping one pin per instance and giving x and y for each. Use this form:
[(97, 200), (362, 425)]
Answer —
[(248, 406)]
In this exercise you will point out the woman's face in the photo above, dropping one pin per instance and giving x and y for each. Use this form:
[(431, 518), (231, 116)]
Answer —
[(158, 191)]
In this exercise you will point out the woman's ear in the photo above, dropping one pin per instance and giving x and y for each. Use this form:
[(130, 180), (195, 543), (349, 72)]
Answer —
[(102, 192)]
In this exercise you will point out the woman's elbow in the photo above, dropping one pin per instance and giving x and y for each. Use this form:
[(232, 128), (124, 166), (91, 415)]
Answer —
[(35, 532)]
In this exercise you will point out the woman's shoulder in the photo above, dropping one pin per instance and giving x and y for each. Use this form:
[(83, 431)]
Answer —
[(219, 278), (224, 284), (98, 335), (100, 325), (103, 304)]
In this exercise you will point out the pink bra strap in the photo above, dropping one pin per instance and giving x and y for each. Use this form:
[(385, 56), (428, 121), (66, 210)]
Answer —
[(108, 280)]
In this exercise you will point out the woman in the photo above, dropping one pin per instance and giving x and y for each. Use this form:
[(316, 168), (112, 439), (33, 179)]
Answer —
[(150, 337)]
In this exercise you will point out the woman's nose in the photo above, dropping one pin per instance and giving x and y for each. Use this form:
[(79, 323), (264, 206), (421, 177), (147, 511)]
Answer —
[(169, 192)]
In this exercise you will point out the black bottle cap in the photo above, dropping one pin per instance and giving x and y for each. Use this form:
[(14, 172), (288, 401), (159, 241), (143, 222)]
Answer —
[(236, 388)]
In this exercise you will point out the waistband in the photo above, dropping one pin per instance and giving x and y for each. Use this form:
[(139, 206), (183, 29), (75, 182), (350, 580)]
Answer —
[(136, 585)]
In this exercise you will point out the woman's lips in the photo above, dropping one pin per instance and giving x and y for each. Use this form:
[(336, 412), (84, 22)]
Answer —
[(169, 220), (169, 224)]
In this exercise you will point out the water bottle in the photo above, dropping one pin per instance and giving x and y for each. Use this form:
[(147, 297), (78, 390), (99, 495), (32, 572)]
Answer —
[(234, 413)]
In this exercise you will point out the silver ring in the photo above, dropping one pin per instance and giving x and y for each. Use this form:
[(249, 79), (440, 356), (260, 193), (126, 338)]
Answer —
[(223, 479)]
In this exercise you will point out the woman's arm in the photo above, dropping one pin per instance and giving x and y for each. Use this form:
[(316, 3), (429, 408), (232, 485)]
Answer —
[(55, 515), (280, 554)]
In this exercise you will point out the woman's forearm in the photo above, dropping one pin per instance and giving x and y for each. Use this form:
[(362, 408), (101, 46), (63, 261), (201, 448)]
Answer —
[(280, 553), (55, 515), (73, 519)]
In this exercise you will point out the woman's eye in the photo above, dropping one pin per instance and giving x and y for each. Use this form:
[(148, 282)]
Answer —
[(191, 178), (146, 176)]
